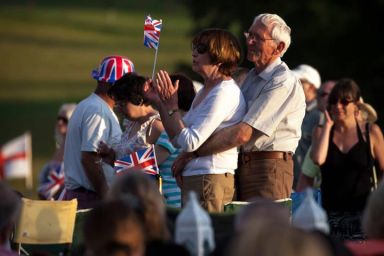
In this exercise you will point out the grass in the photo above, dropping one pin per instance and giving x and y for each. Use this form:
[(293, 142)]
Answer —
[(48, 54)]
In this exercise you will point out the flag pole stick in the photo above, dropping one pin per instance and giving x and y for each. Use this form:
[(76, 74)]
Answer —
[(157, 49), (29, 178), (154, 63)]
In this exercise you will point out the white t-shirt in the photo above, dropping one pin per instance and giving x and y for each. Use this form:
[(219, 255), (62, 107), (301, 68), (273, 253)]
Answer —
[(92, 121), (276, 107), (222, 107)]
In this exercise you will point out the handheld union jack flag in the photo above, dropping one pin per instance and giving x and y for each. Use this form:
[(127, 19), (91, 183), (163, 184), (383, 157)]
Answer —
[(54, 181), (152, 30), (144, 159)]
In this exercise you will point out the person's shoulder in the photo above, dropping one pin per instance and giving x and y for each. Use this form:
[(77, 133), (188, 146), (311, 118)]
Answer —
[(90, 101), (375, 130), (283, 76), (157, 125), (229, 85)]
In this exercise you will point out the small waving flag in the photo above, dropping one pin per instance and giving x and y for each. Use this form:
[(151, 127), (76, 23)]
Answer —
[(54, 182), (152, 30), (143, 159), (16, 159)]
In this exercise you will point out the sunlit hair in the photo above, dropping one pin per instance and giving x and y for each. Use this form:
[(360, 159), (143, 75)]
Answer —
[(345, 88), (280, 31), (139, 185), (223, 48)]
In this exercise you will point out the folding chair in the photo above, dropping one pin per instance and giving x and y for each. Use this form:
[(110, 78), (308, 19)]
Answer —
[(44, 223)]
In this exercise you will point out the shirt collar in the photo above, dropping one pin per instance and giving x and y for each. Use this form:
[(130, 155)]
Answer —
[(267, 73), (311, 105)]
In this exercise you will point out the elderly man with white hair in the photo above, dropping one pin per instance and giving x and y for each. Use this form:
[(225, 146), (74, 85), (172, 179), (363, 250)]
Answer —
[(271, 129), (310, 80)]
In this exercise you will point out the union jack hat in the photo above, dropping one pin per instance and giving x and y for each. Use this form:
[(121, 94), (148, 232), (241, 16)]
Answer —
[(112, 68)]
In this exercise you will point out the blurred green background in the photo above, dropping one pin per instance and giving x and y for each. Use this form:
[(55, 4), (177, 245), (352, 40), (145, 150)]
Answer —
[(48, 51)]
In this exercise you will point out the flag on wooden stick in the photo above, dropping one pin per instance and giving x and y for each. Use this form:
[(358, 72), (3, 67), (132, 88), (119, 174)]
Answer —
[(152, 29)]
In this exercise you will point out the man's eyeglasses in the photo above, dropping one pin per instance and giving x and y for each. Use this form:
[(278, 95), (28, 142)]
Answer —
[(343, 102), (256, 37), (200, 48), (63, 119)]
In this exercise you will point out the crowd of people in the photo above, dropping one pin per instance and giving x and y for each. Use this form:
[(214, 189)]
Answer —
[(247, 135)]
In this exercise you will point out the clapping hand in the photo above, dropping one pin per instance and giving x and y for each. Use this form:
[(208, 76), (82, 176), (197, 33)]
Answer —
[(167, 91)]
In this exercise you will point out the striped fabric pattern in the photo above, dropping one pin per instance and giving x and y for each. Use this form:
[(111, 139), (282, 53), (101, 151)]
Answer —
[(171, 191)]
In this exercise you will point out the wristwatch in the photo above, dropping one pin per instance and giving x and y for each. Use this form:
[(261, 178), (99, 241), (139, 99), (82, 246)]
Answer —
[(171, 112)]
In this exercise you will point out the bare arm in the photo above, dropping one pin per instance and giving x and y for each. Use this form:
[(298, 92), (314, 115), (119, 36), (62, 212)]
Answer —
[(222, 140), (161, 154), (227, 138), (94, 172), (154, 132), (377, 142), (320, 141)]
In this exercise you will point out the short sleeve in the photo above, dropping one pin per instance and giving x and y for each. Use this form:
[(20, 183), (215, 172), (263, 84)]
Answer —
[(309, 168)]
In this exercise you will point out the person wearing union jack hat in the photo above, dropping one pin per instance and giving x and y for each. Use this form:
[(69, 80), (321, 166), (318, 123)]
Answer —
[(92, 121)]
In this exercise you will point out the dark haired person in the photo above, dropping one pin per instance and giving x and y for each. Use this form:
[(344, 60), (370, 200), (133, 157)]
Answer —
[(218, 104), (143, 127), (114, 228), (341, 149)]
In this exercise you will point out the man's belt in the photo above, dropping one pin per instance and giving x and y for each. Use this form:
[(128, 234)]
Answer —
[(259, 155), (82, 190)]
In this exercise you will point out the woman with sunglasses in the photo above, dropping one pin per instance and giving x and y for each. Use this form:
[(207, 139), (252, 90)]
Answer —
[(215, 55), (345, 148), (51, 177)]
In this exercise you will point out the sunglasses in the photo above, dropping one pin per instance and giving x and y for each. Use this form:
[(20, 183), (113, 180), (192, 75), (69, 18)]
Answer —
[(200, 48), (343, 102), (63, 119)]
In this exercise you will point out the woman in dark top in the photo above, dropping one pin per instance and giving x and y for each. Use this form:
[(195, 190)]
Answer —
[(345, 154)]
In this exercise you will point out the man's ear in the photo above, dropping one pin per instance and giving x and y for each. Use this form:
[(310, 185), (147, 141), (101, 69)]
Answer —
[(279, 48)]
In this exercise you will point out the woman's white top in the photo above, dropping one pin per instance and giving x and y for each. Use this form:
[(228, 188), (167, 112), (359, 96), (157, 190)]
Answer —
[(222, 107)]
